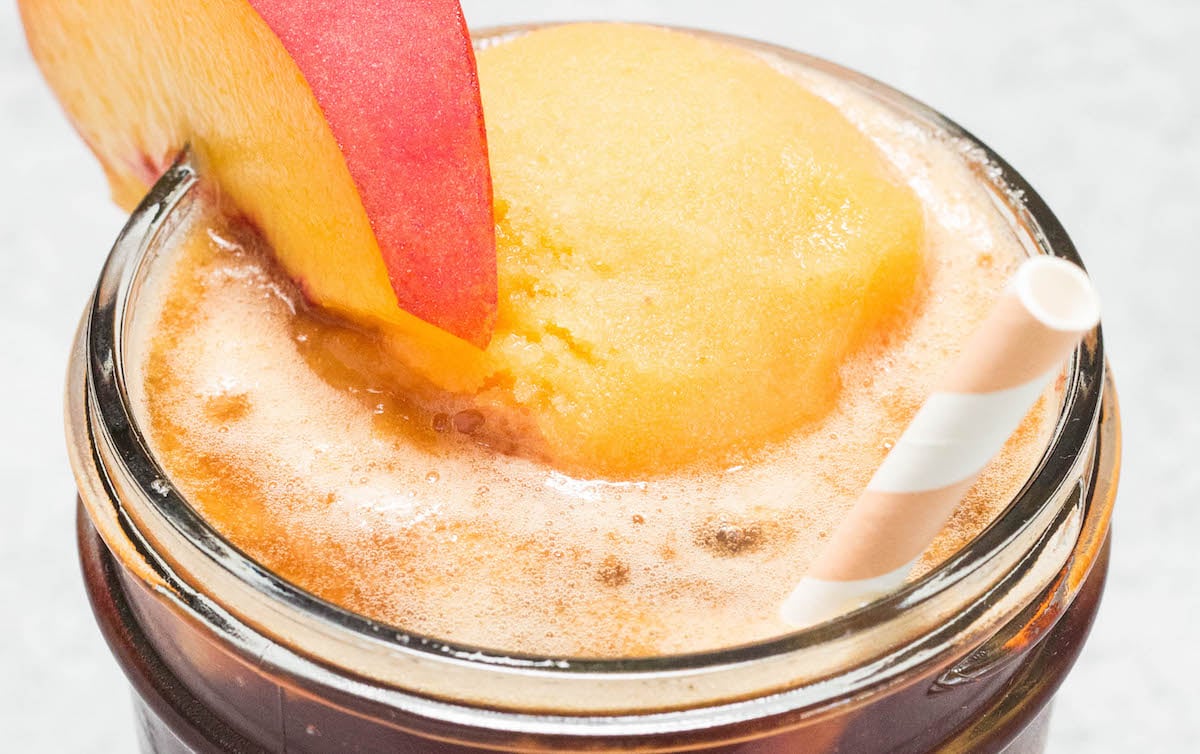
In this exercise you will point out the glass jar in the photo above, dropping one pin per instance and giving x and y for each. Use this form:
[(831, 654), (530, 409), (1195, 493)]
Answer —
[(224, 655)]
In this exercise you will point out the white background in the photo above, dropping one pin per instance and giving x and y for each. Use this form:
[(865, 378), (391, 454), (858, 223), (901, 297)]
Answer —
[(1093, 102)]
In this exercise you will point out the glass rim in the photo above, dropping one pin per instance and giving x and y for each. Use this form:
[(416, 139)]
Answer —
[(104, 353)]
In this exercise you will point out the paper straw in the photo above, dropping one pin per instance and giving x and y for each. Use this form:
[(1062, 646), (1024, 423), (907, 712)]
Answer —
[(1048, 305)]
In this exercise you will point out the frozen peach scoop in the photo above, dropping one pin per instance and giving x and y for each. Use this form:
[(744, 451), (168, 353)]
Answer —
[(690, 244)]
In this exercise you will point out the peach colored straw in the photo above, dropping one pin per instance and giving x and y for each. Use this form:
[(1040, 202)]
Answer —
[(1048, 305)]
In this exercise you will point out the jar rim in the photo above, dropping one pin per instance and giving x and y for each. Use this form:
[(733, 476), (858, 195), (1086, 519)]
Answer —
[(107, 397)]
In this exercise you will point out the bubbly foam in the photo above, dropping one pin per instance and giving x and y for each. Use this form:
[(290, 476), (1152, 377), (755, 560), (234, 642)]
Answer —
[(349, 478)]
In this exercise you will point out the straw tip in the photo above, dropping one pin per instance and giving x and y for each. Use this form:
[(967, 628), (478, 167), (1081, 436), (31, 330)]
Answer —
[(1058, 293), (799, 610), (815, 601)]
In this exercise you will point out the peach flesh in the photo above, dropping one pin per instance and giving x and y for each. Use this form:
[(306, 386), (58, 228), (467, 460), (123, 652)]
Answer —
[(350, 133)]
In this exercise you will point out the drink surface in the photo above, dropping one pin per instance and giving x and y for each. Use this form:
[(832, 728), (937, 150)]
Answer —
[(313, 449)]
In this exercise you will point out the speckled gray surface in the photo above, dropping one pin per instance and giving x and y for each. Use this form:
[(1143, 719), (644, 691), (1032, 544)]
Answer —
[(1096, 105)]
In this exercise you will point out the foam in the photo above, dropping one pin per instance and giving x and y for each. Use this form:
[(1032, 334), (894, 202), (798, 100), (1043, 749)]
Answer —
[(275, 425)]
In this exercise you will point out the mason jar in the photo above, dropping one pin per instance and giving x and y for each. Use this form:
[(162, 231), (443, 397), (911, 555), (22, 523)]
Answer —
[(224, 655)]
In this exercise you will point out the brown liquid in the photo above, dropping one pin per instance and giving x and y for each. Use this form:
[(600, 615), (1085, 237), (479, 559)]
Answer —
[(305, 445)]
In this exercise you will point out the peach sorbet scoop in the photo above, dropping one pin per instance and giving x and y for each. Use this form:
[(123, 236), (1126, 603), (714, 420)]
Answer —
[(690, 245)]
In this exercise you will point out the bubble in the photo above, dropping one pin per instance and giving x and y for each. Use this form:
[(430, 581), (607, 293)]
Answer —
[(433, 477), (468, 422), (724, 537)]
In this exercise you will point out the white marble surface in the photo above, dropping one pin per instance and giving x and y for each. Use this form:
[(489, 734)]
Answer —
[(1096, 104)]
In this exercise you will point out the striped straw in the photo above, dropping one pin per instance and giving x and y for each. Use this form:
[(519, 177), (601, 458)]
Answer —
[(1048, 305)]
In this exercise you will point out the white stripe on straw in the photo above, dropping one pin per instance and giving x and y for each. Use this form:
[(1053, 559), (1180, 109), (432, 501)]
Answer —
[(1003, 368)]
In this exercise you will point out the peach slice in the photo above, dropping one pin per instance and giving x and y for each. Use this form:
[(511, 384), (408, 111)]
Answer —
[(350, 132)]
